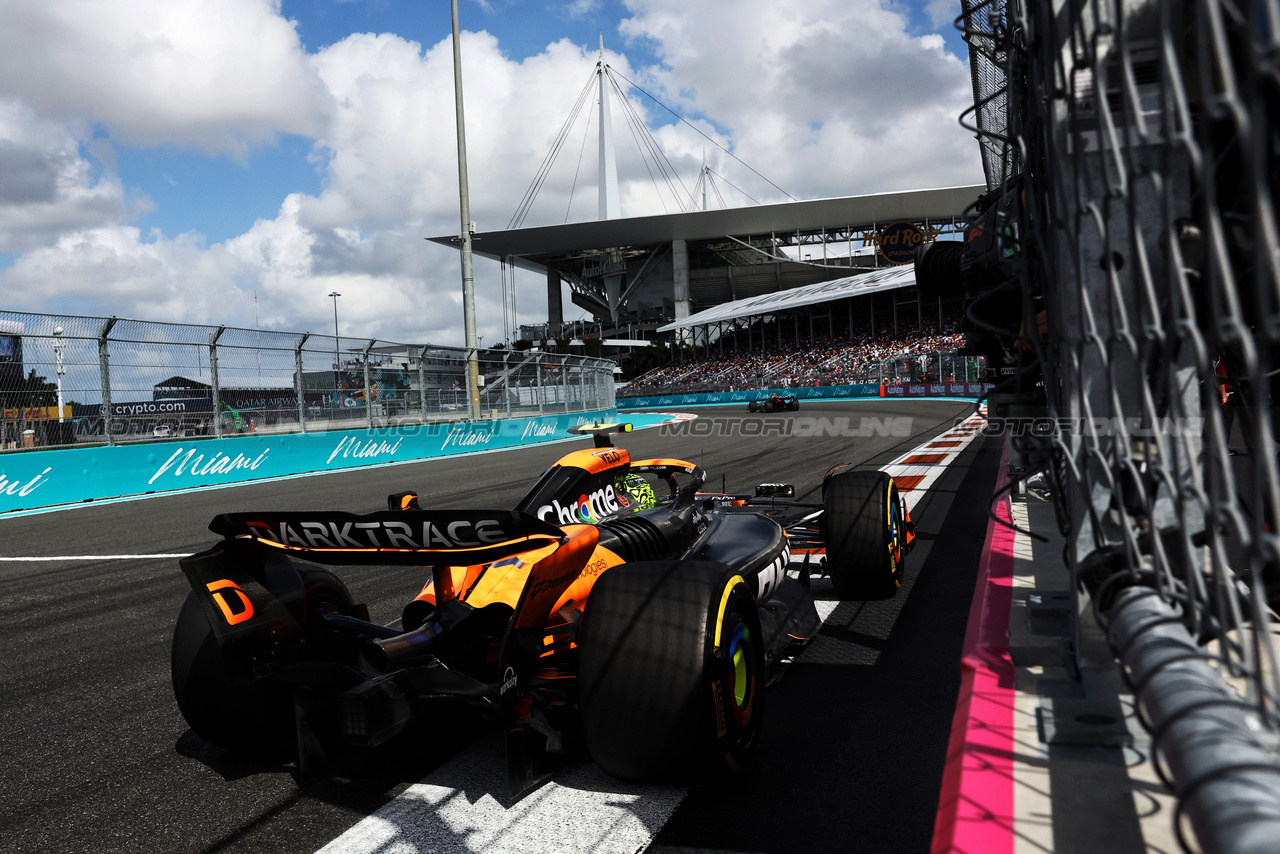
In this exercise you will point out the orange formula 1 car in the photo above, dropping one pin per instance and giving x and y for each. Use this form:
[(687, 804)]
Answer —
[(643, 627)]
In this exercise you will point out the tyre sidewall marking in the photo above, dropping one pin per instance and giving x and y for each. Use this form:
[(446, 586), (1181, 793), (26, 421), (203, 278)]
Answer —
[(721, 668), (895, 527)]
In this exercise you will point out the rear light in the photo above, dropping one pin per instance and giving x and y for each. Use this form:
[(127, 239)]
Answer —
[(373, 712)]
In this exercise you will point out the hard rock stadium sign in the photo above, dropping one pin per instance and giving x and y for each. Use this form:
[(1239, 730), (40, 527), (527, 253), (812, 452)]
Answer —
[(897, 241)]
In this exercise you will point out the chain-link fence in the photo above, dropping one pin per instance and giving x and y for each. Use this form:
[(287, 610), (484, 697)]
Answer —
[(1128, 258), (67, 381)]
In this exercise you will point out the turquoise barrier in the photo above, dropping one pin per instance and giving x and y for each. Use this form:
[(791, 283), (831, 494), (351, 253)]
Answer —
[(822, 392), (49, 478)]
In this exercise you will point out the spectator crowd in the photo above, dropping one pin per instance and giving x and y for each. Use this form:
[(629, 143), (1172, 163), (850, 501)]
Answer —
[(862, 357)]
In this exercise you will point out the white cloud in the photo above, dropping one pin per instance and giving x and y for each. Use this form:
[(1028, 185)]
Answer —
[(581, 8), (826, 98), (216, 75), (943, 13), (46, 187)]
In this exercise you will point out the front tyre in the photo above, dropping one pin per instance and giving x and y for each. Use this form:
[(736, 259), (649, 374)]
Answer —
[(671, 671), (865, 534)]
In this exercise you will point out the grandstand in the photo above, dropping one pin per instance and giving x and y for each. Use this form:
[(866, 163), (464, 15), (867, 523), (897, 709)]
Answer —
[(823, 263)]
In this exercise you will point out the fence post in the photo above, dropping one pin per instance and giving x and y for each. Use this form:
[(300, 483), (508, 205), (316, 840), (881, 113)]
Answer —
[(595, 384), (105, 378), (368, 389), (564, 380), (538, 365), (473, 359), (506, 383), (297, 382), (422, 382), (214, 389)]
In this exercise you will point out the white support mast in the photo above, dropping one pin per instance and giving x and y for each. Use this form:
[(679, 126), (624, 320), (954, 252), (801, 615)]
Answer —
[(706, 179), (608, 166)]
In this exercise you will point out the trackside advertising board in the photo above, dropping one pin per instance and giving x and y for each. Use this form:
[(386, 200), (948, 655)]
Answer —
[(822, 392), (72, 475)]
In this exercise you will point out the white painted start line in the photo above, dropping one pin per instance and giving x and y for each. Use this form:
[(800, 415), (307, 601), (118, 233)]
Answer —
[(91, 557), (463, 805)]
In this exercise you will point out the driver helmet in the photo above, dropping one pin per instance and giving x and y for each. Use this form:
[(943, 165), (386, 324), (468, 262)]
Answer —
[(635, 492)]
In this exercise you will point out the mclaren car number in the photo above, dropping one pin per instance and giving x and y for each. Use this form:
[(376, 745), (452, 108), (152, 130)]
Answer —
[(382, 534)]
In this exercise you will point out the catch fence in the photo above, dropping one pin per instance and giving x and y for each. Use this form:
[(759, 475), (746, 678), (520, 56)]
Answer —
[(1132, 153), (67, 381)]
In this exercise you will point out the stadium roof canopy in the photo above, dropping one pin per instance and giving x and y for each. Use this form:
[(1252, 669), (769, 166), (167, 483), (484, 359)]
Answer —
[(885, 279), (529, 246)]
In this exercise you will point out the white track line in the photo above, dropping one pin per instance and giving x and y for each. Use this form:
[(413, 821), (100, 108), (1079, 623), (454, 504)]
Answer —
[(463, 806), (93, 557)]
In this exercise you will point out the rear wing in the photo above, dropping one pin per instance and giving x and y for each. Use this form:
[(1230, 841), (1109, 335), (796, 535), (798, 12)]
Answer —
[(600, 432), (413, 537)]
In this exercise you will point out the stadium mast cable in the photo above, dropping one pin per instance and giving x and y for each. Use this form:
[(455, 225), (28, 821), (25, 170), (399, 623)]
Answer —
[(650, 152)]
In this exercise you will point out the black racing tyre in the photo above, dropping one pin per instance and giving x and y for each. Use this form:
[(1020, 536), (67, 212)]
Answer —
[(793, 406), (671, 671), (865, 534), (752, 407), (258, 716)]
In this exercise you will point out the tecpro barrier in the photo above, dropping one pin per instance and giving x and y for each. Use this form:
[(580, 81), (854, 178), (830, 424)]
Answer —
[(825, 392), (49, 478)]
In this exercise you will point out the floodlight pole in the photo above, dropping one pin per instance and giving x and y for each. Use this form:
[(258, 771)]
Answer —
[(468, 277)]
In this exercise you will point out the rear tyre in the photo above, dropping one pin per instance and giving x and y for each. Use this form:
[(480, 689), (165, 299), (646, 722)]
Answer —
[(671, 673), (865, 536), (229, 713), (793, 405)]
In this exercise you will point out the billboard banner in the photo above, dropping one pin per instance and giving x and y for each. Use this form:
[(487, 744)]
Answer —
[(71, 475), (822, 392), (937, 390)]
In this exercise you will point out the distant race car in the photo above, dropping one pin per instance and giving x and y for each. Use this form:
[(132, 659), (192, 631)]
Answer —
[(640, 624), (775, 403)]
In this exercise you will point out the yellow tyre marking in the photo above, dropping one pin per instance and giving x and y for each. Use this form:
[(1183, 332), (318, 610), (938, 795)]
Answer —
[(724, 605)]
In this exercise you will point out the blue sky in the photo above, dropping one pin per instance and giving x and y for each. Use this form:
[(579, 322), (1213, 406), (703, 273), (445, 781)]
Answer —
[(169, 159)]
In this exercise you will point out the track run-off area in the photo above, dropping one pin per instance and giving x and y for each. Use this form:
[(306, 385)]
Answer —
[(98, 758)]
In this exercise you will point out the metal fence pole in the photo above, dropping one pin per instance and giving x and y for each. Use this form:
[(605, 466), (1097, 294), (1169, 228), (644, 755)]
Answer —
[(105, 378), (368, 388), (473, 362), (538, 365), (297, 382), (214, 390), (564, 380), (422, 381), (506, 382)]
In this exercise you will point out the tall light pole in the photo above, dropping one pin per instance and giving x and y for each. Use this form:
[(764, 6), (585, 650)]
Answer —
[(468, 277), (57, 352)]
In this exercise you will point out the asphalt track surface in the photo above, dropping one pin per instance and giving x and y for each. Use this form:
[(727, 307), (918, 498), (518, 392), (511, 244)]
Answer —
[(97, 758)]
